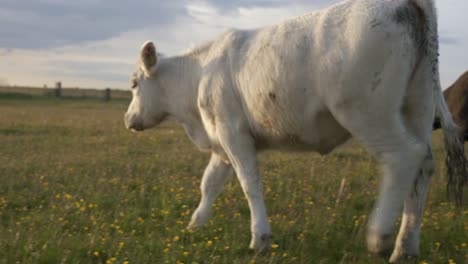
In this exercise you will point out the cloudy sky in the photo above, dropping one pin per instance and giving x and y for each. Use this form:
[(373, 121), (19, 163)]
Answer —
[(94, 43)]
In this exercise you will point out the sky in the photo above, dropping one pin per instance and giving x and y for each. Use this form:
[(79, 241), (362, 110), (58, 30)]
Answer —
[(95, 43)]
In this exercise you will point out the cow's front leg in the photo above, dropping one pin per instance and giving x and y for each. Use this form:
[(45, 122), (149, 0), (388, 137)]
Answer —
[(213, 180), (240, 148)]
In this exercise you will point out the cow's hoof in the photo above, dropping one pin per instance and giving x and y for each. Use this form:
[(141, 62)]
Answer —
[(260, 242), (379, 244), (198, 220), (399, 256)]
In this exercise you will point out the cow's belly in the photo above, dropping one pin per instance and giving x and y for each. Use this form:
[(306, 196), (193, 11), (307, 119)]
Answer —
[(320, 133)]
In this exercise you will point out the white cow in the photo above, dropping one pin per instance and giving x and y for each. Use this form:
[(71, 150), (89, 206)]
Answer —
[(366, 69)]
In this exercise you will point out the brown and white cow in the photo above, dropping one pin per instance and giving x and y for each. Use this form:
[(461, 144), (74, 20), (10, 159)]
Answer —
[(456, 97)]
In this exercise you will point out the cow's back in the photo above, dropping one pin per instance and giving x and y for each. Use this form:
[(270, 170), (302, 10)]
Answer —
[(288, 76)]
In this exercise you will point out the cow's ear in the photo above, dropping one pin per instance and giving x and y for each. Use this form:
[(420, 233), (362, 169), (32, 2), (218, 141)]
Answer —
[(149, 58)]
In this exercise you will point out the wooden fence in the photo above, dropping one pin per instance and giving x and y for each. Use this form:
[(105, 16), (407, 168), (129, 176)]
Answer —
[(104, 94)]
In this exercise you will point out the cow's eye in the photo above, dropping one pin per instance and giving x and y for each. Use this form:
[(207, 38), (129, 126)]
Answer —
[(134, 84)]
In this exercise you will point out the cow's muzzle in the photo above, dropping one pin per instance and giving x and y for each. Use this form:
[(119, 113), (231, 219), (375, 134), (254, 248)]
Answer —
[(132, 123)]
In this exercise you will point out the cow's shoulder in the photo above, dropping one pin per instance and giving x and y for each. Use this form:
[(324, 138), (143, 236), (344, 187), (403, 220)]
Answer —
[(231, 41)]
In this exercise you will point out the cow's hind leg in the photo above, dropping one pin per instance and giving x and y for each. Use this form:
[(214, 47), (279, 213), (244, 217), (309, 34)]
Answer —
[(400, 161), (418, 113), (377, 121), (407, 243), (400, 156), (213, 180)]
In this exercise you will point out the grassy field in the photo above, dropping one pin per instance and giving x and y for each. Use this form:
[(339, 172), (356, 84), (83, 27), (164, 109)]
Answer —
[(76, 187)]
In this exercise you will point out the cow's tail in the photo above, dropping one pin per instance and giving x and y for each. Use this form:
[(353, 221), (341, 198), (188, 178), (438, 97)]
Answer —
[(456, 162)]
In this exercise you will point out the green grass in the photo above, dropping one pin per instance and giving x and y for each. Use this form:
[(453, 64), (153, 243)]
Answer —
[(76, 187)]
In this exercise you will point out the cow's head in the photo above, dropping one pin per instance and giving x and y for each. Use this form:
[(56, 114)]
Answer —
[(147, 107)]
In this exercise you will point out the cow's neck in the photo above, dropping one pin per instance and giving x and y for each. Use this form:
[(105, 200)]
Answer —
[(179, 77), (182, 78)]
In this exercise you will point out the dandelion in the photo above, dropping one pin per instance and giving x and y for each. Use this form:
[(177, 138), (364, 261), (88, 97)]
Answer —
[(185, 253), (176, 238), (209, 243), (275, 246), (96, 253), (451, 261), (301, 237)]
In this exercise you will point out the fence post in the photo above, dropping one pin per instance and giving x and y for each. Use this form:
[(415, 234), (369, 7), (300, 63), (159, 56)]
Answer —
[(107, 95), (58, 89)]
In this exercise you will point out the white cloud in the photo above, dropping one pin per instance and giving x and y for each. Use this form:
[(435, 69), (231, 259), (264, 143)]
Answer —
[(243, 17)]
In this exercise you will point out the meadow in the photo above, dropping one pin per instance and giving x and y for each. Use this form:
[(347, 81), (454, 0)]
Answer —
[(76, 187)]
